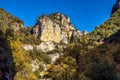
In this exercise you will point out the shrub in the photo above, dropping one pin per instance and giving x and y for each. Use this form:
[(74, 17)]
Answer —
[(101, 71)]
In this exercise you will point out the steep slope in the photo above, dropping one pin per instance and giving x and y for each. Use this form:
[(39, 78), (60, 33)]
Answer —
[(108, 28), (57, 50), (114, 38), (95, 57), (110, 50), (33, 54), (83, 63), (56, 27), (9, 21), (8, 24), (15, 62)]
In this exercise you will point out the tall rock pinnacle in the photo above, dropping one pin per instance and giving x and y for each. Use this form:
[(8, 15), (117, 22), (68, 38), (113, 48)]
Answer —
[(55, 27)]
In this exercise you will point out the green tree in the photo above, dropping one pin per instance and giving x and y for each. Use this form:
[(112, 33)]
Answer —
[(102, 70)]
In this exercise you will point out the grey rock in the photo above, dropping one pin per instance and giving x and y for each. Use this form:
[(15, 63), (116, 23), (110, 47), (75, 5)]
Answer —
[(54, 56), (27, 47), (46, 46)]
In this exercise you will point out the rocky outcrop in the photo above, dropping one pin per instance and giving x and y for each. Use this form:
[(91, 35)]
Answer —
[(28, 47), (45, 46), (16, 26), (55, 27), (116, 7), (54, 56)]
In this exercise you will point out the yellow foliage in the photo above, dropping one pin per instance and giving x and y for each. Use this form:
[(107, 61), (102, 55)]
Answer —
[(23, 67), (18, 52), (64, 65)]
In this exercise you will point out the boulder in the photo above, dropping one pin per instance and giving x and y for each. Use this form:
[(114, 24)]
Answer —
[(46, 46), (28, 47)]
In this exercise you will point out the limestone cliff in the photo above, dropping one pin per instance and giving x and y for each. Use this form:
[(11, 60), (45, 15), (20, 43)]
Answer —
[(55, 27)]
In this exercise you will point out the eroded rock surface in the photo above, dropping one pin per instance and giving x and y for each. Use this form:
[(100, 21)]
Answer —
[(55, 27)]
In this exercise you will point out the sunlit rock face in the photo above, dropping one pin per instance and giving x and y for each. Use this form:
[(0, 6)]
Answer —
[(28, 47), (45, 46), (53, 30), (55, 56), (55, 27), (9, 21)]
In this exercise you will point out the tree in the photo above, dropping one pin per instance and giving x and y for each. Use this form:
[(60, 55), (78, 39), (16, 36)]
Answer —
[(102, 70), (63, 69)]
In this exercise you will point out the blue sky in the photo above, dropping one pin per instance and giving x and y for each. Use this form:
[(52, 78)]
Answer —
[(84, 14)]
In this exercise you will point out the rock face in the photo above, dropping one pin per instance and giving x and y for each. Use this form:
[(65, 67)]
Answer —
[(45, 46), (116, 6), (35, 65), (55, 27), (54, 56), (28, 47)]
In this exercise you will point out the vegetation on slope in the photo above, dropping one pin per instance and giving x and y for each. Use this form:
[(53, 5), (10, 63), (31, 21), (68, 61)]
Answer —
[(94, 57), (9, 21), (108, 28)]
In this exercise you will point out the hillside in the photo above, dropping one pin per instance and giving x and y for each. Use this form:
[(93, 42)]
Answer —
[(53, 49), (34, 49), (108, 28), (9, 21)]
